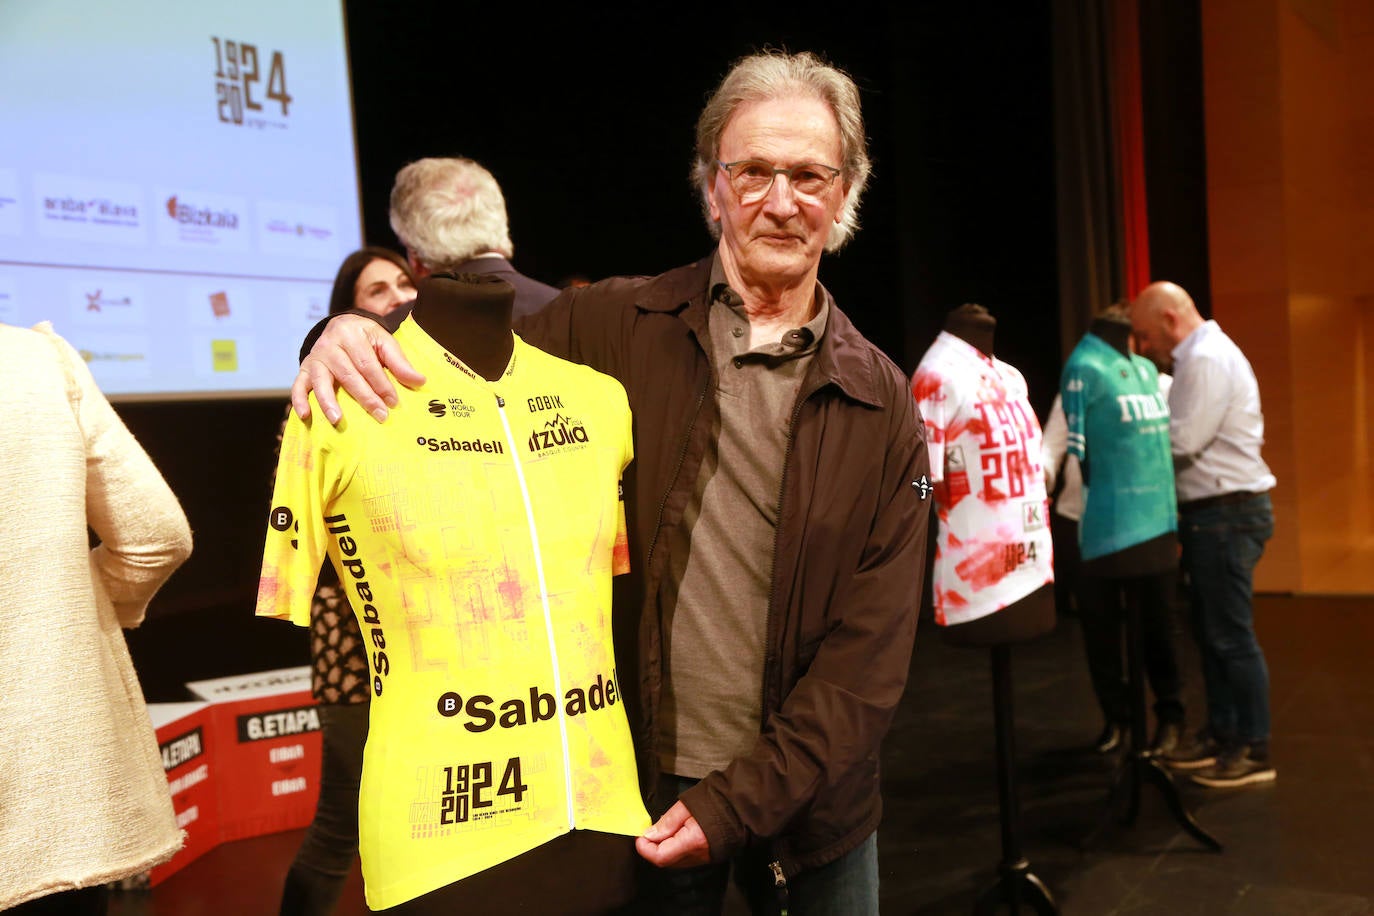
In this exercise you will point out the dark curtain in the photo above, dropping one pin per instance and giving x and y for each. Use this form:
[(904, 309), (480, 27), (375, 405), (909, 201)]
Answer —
[(1092, 263)]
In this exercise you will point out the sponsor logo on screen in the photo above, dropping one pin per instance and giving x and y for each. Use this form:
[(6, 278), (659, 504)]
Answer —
[(250, 85), (9, 304), (297, 229), (199, 219), (110, 356), (87, 210), (224, 355), (9, 202), (300, 230), (97, 301), (105, 300), (100, 211), (219, 304)]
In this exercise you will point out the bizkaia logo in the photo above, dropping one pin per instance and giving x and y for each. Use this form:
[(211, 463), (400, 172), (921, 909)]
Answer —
[(194, 214), (450, 407), (559, 432), (202, 218)]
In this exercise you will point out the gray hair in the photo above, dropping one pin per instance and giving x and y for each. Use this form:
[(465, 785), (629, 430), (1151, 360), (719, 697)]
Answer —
[(777, 74), (447, 211)]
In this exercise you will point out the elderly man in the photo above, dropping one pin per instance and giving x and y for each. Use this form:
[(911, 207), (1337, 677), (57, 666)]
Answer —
[(1225, 518), (777, 539), (451, 217)]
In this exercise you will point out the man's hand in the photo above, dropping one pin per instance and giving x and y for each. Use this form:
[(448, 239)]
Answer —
[(676, 841), (352, 352)]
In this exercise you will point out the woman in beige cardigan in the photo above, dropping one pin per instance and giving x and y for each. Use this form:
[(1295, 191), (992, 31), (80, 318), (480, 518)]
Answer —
[(83, 799)]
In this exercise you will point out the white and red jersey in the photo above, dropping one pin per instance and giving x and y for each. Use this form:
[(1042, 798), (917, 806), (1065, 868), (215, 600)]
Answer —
[(985, 446)]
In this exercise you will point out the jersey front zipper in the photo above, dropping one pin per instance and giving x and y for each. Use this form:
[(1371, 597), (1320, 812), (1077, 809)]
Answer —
[(544, 601)]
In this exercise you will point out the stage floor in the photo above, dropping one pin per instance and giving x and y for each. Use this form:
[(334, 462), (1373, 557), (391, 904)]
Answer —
[(1303, 845)]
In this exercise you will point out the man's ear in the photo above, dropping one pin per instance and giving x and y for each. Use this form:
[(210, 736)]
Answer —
[(419, 270), (1170, 320)]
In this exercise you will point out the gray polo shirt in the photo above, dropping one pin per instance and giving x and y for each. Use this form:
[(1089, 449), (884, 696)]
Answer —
[(720, 560)]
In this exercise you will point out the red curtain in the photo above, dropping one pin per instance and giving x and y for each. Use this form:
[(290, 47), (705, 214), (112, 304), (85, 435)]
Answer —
[(1129, 136)]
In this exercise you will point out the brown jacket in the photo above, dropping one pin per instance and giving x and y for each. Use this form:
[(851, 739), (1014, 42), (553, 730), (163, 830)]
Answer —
[(847, 570)]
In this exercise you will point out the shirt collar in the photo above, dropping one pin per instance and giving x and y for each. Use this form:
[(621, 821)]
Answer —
[(1194, 339), (800, 338)]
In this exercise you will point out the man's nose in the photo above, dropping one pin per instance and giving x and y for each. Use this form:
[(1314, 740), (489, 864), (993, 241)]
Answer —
[(781, 200)]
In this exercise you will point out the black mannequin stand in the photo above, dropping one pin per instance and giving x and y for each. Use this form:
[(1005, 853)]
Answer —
[(1027, 619), (1139, 765), (1015, 884)]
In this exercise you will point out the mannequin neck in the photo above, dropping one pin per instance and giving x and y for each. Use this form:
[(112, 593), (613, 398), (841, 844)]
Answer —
[(979, 338), (974, 327), (1113, 332), (469, 315)]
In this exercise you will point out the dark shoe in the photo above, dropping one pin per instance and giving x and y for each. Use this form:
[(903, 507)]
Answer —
[(1238, 767), (1110, 739), (1167, 738), (1197, 751)]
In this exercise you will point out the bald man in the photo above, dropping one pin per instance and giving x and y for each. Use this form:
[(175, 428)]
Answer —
[(1225, 518)]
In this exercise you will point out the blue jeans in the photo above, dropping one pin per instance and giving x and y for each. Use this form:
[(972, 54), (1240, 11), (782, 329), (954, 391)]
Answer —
[(847, 886), (1221, 545)]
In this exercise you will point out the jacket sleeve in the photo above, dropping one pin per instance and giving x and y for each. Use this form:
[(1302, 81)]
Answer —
[(143, 532), (835, 717)]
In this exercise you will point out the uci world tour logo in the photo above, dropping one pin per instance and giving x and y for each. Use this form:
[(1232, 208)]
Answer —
[(559, 432)]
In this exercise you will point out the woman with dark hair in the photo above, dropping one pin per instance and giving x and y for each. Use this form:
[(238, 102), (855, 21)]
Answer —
[(376, 280)]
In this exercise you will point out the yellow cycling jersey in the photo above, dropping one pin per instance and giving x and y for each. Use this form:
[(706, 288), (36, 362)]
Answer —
[(475, 533)]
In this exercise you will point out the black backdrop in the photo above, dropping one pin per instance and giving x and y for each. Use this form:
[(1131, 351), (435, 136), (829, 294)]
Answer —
[(586, 118)]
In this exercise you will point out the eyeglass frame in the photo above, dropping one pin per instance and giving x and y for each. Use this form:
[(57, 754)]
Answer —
[(834, 173)]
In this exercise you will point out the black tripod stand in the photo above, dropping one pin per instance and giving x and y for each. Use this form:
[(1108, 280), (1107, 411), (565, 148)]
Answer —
[(1139, 765), (1015, 883)]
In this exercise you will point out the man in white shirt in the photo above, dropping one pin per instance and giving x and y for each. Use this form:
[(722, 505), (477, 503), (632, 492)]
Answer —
[(1225, 518)]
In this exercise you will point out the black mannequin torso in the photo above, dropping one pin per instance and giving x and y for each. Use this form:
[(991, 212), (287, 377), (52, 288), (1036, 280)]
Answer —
[(1033, 615), (468, 315), (1157, 555)]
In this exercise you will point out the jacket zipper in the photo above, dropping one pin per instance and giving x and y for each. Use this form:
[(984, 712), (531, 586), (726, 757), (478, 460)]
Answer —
[(544, 601), (770, 660), (779, 886)]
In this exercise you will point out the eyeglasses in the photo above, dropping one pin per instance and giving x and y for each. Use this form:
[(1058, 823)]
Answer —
[(752, 179)]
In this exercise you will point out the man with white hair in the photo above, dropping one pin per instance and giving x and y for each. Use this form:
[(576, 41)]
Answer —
[(451, 217), (776, 536), (1216, 431)]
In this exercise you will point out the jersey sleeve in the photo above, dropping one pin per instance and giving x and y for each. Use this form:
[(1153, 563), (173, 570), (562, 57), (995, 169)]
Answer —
[(929, 390), (1075, 393), (296, 526)]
